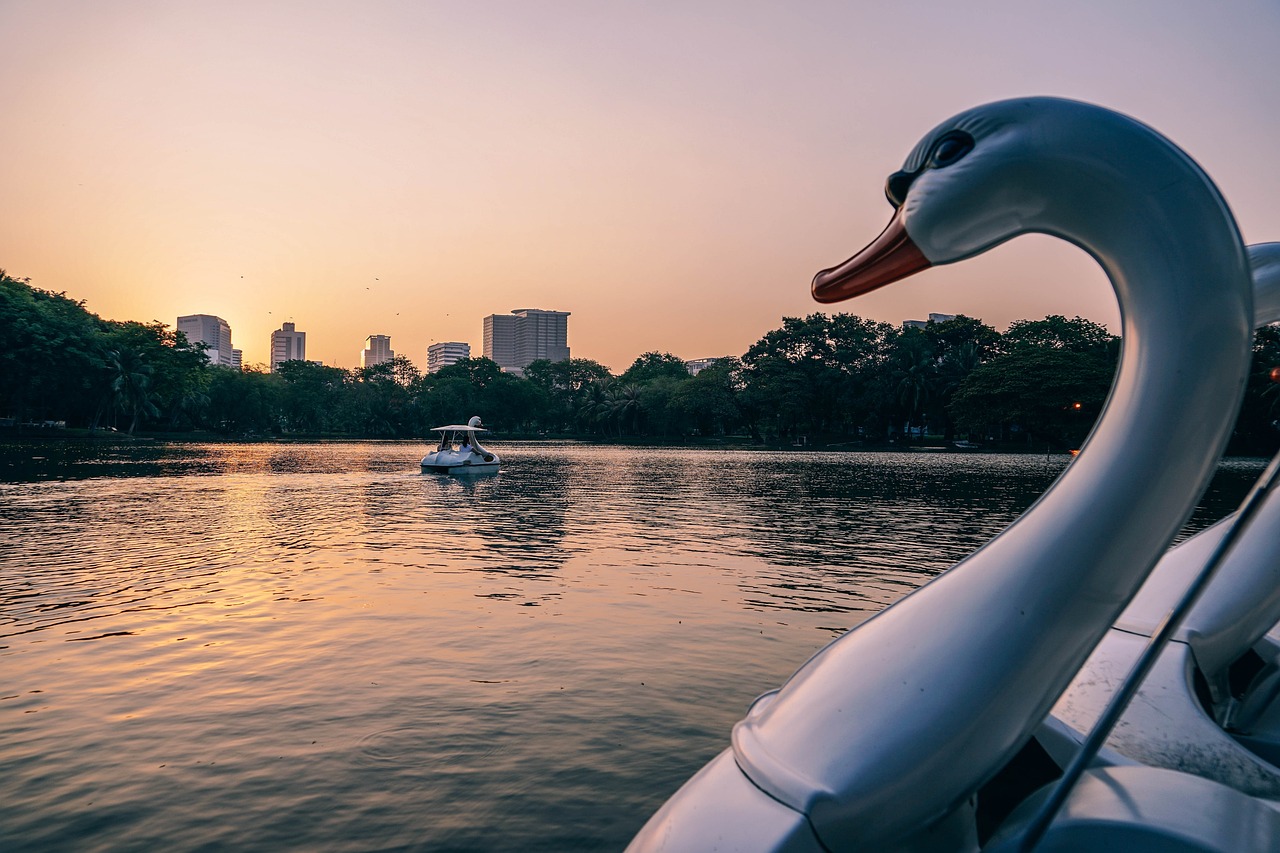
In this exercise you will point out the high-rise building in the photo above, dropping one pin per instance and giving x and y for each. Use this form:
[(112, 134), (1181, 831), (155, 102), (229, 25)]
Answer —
[(214, 333), (500, 339), (377, 350), (446, 353), (287, 345), (525, 335)]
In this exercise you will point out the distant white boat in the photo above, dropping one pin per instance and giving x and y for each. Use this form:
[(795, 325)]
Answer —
[(460, 451)]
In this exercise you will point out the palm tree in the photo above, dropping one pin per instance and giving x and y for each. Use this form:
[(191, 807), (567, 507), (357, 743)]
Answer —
[(955, 367), (624, 405), (595, 407), (131, 384), (193, 402), (915, 374)]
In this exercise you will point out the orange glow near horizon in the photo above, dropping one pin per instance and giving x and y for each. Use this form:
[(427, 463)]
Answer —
[(672, 176)]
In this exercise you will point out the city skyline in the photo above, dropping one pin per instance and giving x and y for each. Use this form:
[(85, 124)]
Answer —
[(674, 174), (534, 333), (288, 343)]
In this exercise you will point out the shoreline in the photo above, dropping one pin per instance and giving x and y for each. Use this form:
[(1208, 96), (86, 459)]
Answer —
[(105, 437), (10, 438)]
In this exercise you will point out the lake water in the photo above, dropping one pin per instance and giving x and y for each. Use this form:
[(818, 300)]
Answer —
[(316, 647)]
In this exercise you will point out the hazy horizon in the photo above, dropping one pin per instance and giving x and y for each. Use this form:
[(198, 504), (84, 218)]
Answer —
[(671, 174)]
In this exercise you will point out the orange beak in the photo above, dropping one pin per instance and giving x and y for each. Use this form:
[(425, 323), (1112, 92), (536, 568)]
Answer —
[(890, 257)]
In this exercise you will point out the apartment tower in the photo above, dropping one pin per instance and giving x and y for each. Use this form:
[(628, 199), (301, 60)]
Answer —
[(287, 344), (214, 333), (446, 353), (525, 335), (377, 350)]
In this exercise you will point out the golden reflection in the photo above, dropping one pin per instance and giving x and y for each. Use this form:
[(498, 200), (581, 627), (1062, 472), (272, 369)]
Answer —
[(285, 628)]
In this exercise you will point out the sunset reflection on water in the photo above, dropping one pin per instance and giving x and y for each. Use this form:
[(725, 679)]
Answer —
[(316, 646)]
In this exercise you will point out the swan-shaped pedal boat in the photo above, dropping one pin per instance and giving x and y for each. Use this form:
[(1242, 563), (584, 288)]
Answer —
[(892, 736), (459, 451), (1211, 704)]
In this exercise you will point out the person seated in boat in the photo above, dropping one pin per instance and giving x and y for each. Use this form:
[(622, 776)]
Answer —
[(466, 446)]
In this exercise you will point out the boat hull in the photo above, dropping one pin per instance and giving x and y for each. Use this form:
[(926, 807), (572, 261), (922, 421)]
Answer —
[(457, 462), (460, 468)]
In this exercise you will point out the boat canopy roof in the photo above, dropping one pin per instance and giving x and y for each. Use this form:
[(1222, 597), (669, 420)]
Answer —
[(458, 428)]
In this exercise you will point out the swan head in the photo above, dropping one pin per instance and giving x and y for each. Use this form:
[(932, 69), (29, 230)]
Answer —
[(881, 739), (990, 174)]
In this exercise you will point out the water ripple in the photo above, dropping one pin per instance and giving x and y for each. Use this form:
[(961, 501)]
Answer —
[(267, 647)]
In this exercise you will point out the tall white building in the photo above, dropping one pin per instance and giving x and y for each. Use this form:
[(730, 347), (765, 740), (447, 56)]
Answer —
[(287, 344), (215, 333), (377, 350), (525, 335), (446, 353)]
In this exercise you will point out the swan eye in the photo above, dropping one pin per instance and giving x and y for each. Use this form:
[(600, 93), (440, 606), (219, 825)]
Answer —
[(945, 151), (950, 148)]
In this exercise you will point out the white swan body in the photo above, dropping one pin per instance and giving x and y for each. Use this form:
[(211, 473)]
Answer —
[(459, 451), (882, 738), (1167, 723)]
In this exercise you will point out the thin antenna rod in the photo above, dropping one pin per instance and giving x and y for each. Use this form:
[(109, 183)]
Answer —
[(1120, 700)]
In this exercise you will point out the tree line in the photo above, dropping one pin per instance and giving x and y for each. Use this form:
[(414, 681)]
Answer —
[(823, 379)]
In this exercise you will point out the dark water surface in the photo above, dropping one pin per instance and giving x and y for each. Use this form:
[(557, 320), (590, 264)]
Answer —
[(315, 647)]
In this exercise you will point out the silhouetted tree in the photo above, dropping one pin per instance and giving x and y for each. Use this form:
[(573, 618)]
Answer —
[(652, 365), (131, 385)]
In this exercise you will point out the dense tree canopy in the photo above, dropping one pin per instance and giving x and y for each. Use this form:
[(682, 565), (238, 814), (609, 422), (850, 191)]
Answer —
[(653, 365), (834, 379), (1046, 381), (1048, 395), (1058, 333), (59, 362)]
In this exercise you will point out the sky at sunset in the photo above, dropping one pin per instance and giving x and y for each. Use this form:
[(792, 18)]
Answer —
[(672, 173)]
